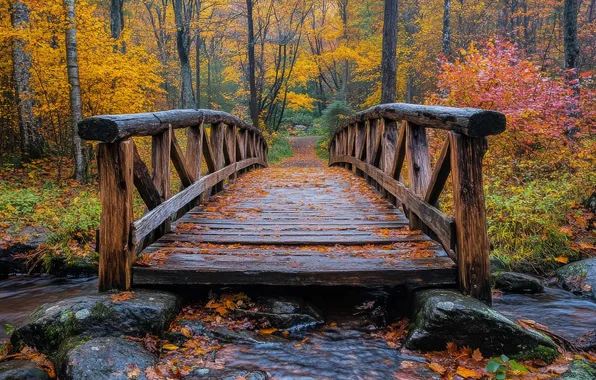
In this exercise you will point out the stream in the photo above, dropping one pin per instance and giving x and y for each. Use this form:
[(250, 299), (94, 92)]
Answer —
[(327, 353)]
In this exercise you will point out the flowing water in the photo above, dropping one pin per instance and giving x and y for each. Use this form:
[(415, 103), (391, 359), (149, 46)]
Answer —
[(22, 295)]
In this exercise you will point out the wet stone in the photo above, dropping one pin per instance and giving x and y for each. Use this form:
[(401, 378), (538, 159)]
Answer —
[(580, 370), (579, 277), (513, 282), (443, 316), (207, 374), (283, 313), (373, 310), (95, 316), (107, 358), (21, 370)]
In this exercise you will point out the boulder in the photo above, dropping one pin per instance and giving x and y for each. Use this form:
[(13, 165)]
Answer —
[(580, 369), (587, 342), (513, 282), (28, 239), (94, 316), (497, 265), (579, 277), (443, 316), (283, 313), (21, 370), (107, 358)]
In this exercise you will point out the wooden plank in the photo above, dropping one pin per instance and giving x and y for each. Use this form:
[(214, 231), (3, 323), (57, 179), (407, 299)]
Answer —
[(116, 251), (438, 222), (467, 121), (217, 145), (419, 170), (473, 246), (400, 153), (160, 158), (150, 221), (143, 181), (179, 161), (439, 176), (209, 154), (197, 269)]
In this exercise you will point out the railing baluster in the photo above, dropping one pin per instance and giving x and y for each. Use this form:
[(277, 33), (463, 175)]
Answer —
[(160, 163), (418, 165), (116, 251), (216, 142)]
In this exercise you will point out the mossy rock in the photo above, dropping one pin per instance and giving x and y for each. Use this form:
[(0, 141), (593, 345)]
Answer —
[(95, 316), (580, 370), (443, 316), (513, 282)]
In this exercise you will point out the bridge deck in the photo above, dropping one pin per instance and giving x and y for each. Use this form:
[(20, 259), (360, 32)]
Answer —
[(300, 225)]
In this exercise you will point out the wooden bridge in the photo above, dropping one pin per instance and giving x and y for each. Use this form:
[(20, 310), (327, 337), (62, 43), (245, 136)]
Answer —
[(306, 226)]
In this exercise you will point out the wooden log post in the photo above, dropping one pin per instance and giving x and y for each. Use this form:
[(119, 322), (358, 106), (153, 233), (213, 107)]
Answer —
[(419, 170), (360, 145), (160, 163), (389, 146), (473, 246), (117, 250), (231, 136)]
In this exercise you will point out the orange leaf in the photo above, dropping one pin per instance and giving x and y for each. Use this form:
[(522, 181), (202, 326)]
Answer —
[(122, 296), (562, 259), (477, 355), (267, 331)]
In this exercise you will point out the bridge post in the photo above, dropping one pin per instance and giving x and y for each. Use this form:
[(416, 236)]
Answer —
[(160, 163), (116, 186), (473, 246)]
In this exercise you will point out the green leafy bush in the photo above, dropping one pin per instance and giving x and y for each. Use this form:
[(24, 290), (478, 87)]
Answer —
[(279, 147), (18, 202)]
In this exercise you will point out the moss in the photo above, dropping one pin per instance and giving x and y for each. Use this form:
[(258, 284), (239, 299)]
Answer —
[(59, 356), (580, 370), (100, 312), (546, 354)]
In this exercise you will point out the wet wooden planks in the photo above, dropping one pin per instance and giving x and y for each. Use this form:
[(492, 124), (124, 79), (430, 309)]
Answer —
[(302, 226)]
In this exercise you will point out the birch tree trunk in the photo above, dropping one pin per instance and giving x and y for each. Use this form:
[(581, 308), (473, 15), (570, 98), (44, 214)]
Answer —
[(76, 113), (31, 141), (389, 59), (253, 106)]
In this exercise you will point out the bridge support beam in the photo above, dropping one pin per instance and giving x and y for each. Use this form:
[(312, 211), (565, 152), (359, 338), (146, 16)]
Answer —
[(117, 250), (473, 246)]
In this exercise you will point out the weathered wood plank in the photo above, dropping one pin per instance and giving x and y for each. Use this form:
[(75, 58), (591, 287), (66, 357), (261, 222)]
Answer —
[(296, 271), (438, 222), (179, 161), (155, 217), (117, 250)]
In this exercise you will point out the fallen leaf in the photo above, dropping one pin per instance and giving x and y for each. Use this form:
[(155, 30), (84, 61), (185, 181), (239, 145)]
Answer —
[(437, 368), (467, 373), (170, 347), (267, 331)]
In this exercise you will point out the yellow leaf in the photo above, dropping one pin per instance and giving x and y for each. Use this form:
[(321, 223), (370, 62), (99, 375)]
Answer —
[(468, 373), (170, 347), (437, 368), (267, 331), (10, 207), (562, 259)]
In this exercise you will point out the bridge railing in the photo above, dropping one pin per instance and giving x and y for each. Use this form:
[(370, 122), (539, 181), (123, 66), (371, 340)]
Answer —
[(377, 143), (231, 147)]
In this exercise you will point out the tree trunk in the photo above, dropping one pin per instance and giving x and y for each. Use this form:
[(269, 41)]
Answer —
[(346, 74), (254, 110), (446, 46), (198, 69), (389, 59), (570, 12), (76, 112), (116, 18), (31, 141), (182, 16)]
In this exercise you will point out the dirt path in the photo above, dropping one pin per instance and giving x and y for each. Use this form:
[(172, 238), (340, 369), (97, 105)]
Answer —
[(304, 154)]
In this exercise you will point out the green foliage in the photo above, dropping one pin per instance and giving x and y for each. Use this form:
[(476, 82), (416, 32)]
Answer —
[(9, 329), (20, 202), (501, 365), (79, 220), (334, 114), (299, 118), (524, 224), (322, 147), (279, 147)]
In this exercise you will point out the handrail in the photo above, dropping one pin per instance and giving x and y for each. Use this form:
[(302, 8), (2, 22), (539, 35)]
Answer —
[(371, 144), (471, 122), (231, 147)]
